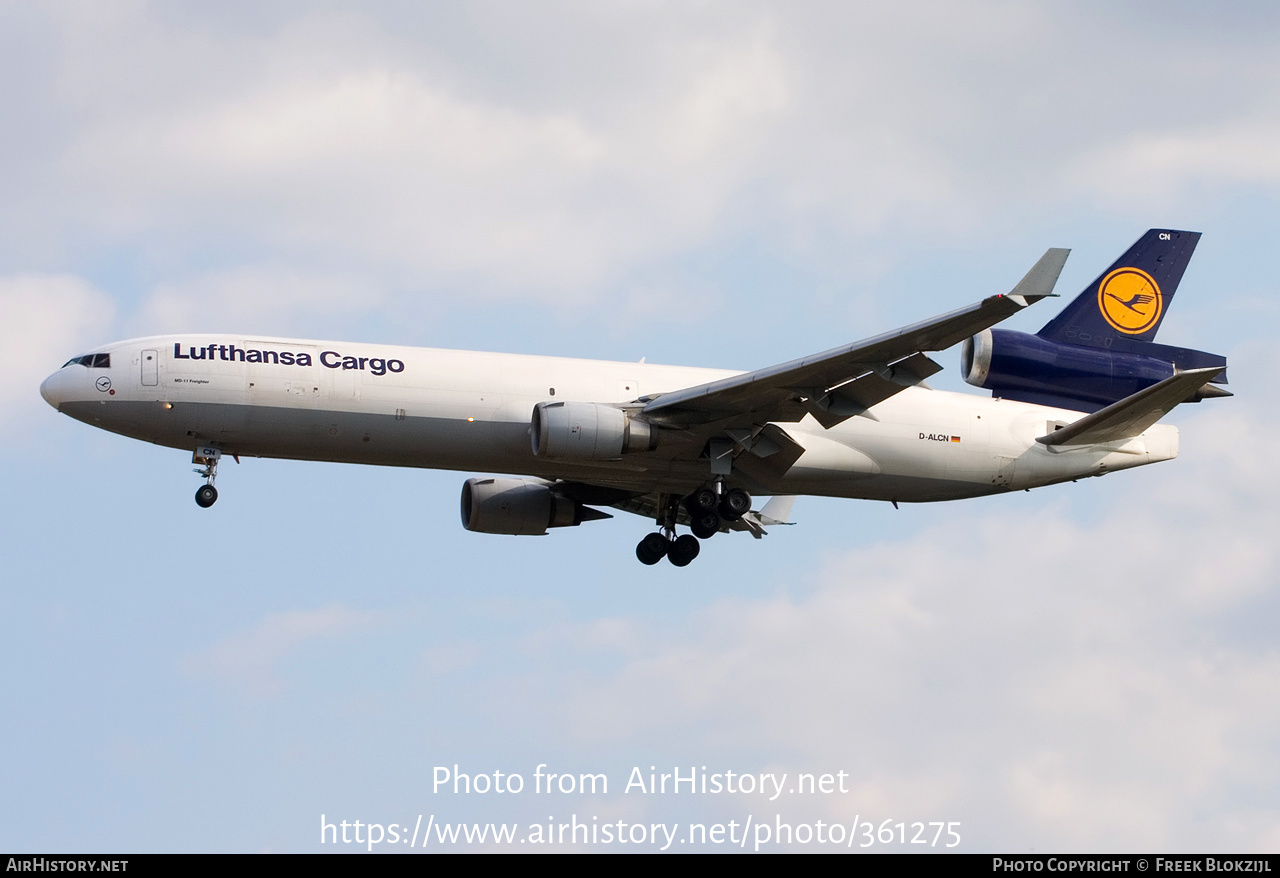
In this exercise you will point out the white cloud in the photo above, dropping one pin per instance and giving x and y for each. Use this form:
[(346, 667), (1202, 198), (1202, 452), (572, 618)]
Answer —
[(249, 661), (729, 86), (1099, 685), (1167, 161), (377, 115), (251, 299), (449, 152), (391, 165)]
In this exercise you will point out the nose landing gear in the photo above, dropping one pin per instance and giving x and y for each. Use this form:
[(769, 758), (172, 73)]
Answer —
[(206, 496), (207, 457)]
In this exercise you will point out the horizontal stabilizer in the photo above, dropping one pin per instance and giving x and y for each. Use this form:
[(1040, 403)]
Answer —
[(1133, 414)]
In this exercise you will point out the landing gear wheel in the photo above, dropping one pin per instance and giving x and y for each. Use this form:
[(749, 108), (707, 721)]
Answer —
[(652, 549), (701, 500), (683, 550), (734, 504), (704, 525), (206, 496)]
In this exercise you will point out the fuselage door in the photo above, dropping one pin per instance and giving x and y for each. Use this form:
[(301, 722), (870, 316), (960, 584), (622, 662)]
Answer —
[(150, 368)]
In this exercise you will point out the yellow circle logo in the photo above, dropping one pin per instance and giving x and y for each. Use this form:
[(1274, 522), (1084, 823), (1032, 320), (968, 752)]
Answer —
[(1130, 300)]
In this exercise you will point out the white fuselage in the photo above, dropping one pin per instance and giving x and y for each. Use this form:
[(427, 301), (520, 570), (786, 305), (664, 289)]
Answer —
[(470, 411)]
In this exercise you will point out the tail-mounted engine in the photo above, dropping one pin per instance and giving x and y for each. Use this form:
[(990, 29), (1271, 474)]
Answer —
[(1029, 368)]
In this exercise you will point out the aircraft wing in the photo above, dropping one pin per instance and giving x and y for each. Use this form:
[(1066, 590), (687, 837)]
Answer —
[(1132, 415), (846, 381)]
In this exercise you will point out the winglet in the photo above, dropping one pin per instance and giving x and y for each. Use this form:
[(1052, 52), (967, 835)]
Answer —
[(1041, 279), (1133, 414)]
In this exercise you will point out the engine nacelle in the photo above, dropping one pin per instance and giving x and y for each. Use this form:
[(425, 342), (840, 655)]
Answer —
[(521, 507), (1029, 368), (588, 431)]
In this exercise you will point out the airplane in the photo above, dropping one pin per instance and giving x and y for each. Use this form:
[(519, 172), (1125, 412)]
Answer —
[(689, 447)]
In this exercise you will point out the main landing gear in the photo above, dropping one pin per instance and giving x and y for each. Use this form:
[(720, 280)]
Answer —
[(207, 456), (679, 551), (708, 510)]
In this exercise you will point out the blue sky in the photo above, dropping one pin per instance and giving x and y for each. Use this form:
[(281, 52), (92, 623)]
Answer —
[(726, 185)]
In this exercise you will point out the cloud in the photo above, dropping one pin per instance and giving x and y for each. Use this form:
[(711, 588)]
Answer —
[(390, 163), (250, 661), (371, 144), (1168, 161), (1098, 684), (252, 298), (48, 319)]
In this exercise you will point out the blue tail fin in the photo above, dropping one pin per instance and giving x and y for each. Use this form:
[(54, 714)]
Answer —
[(1128, 301)]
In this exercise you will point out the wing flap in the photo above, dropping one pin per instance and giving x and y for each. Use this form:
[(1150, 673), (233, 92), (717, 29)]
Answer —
[(1132, 415), (832, 405)]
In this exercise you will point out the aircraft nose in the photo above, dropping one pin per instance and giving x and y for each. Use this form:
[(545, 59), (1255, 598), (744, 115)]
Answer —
[(53, 388)]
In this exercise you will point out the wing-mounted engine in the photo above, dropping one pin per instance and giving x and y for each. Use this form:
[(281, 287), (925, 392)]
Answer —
[(520, 507), (588, 431)]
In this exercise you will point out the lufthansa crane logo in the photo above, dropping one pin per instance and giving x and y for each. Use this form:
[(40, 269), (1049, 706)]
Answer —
[(1130, 300)]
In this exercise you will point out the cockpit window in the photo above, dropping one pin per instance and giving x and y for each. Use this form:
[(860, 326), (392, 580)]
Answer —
[(92, 361)]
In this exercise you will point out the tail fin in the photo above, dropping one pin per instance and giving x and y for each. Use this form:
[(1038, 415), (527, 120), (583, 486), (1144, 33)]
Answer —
[(1130, 298)]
